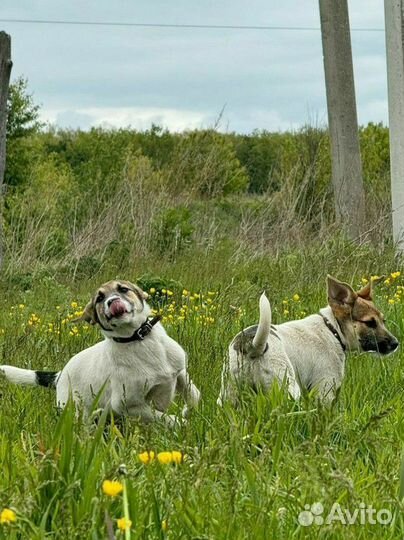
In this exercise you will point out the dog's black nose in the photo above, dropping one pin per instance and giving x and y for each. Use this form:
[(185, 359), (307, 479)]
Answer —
[(394, 343)]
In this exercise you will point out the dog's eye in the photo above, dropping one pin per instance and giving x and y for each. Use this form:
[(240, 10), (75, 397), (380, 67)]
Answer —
[(123, 289), (371, 324), (100, 297)]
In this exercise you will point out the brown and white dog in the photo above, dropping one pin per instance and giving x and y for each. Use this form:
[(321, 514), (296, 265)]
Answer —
[(136, 370), (312, 350), (317, 345)]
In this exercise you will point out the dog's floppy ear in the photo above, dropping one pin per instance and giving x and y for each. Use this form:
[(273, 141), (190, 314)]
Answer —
[(339, 292), (367, 291), (88, 315)]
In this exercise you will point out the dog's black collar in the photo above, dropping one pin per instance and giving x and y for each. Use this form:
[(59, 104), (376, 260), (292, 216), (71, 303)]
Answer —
[(334, 331), (139, 334)]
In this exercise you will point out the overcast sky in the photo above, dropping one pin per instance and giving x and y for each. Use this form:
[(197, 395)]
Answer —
[(183, 78)]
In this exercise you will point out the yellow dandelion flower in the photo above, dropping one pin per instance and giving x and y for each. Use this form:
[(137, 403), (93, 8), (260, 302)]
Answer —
[(169, 293), (286, 312), (74, 305), (165, 457), (176, 456), (212, 293), (387, 281), (164, 291), (164, 525), (146, 457), (124, 524), (364, 281), (296, 297), (112, 488), (185, 292), (7, 516), (21, 306), (285, 302), (391, 301), (152, 290)]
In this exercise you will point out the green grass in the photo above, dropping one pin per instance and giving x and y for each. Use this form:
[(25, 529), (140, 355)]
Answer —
[(249, 472)]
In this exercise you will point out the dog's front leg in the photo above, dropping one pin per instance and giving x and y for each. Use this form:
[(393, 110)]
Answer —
[(326, 390), (146, 415), (142, 411), (188, 391)]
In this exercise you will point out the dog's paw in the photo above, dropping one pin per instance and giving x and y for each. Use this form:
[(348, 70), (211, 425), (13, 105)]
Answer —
[(185, 412), (173, 420)]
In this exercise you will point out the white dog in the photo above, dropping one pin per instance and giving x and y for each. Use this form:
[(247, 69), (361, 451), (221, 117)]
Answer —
[(136, 370), (257, 358), (318, 344), (311, 350)]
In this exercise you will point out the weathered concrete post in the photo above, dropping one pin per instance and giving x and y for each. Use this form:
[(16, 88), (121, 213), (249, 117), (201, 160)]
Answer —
[(347, 180), (5, 71), (394, 16)]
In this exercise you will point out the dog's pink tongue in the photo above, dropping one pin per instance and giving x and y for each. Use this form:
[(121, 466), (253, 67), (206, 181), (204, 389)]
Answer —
[(117, 308)]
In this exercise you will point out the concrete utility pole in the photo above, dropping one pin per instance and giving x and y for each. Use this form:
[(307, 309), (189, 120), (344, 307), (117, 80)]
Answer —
[(5, 70), (347, 180), (394, 16)]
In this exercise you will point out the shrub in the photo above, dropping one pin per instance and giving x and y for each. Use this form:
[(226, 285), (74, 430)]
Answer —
[(174, 229), (205, 163)]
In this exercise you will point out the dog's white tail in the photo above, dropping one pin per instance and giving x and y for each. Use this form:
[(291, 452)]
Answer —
[(29, 376), (264, 326)]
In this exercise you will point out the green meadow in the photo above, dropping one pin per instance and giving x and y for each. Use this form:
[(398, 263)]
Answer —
[(204, 222)]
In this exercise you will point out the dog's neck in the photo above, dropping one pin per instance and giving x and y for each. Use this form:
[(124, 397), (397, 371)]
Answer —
[(335, 328)]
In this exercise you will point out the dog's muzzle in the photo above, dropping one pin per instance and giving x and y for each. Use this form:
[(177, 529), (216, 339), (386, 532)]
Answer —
[(386, 346), (116, 307)]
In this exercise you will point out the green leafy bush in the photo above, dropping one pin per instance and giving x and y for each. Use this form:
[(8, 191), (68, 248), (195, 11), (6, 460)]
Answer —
[(205, 163), (174, 229)]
